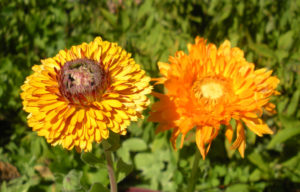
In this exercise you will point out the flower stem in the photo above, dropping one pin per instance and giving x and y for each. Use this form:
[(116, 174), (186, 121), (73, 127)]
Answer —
[(111, 174), (192, 180)]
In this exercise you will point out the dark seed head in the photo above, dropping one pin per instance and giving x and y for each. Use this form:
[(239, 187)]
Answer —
[(80, 77)]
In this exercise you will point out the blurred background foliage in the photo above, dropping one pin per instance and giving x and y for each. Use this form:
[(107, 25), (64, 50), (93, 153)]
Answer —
[(268, 31)]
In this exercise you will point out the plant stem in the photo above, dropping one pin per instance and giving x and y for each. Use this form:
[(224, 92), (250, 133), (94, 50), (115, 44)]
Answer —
[(111, 174), (192, 181)]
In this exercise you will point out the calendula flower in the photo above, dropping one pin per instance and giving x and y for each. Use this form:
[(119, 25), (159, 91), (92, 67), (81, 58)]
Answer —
[(207, 88), (75, 97)]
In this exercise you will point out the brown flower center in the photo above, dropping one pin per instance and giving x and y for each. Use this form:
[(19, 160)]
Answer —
[(81, 78)]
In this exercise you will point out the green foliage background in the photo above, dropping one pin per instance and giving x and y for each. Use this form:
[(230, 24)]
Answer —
[(268, 31)]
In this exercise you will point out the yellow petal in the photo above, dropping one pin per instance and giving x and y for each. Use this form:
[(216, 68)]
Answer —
[(83, 144), (98, 137), (98, 115), (112, 103), (81, 115), (67, 141), (74, 118)]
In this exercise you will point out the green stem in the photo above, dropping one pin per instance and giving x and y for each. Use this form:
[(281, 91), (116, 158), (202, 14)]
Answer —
[(110, 169), (192, 180)]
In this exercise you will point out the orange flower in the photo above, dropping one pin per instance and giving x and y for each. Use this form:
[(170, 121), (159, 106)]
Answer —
[(207, 88), (75, 97)]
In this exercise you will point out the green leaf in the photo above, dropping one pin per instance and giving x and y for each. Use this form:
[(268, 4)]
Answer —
[(292, 162), (251, 137), (144, 160), (124, 153), (96, 187), (237, 188), (125, 20), (285, 41), (281, 105), (144, 9), (255, 175), (281, 54), (36, 145), (263, 50), (6, 65), (111, 18), (3, 186), (291, 130), (92, 160), (123, 169), (113, 142), (257, 160), (222, 15), (292, 108), (149, 22), (71, 181), (135, 144), (230, 152)]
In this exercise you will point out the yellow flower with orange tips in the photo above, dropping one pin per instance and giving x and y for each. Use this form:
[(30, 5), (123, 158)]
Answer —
[(206, 89), (77, 96)]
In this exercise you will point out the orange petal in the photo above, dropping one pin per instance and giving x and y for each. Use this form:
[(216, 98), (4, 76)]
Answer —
[(204, 135), (240, 139), (229, 133), (200, 142), (257, 126)]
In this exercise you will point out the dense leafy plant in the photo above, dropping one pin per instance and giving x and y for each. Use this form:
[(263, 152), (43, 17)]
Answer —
[(151, 30)]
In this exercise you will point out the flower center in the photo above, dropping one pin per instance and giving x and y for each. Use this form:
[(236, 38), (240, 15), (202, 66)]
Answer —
[(81, 78), (208, 88), (212, 90)]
